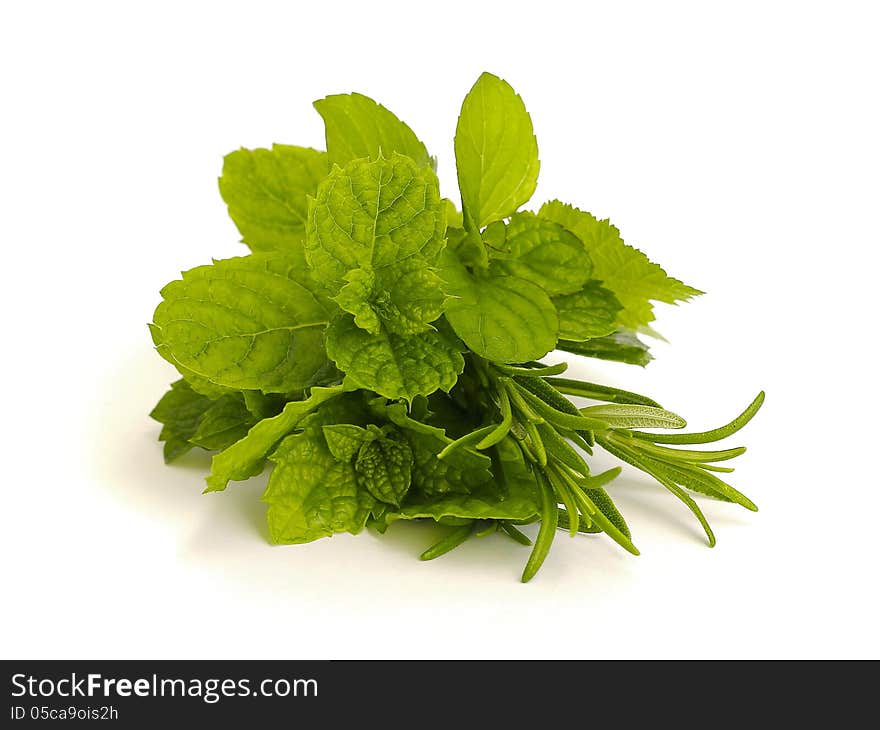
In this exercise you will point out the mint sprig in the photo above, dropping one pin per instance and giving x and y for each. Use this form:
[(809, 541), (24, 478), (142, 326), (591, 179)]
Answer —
[(381, 350)]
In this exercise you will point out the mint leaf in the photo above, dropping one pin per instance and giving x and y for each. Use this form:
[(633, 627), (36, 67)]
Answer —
[(245, 458), (356, 126), (461, 471), (375, 231), (355, 297), (384, 469), (262, 405), (496, 153), (199, 384), (255, 322), (225, 422), (626, 271), (345, 440), (501, 318), (311, 494), (539, 251), (408, 296), (392, 365), (266, 192), (179, 411), (479, 502), (405, 297), (591, 312)]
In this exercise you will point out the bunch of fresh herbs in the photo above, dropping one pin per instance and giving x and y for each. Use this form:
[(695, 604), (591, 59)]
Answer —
[(380, 349)]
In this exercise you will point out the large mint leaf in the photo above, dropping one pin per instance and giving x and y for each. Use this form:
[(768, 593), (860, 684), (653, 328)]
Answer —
[(266, 192), (356, 126), (246, 457), (496, 153), (590, 312), (255, 323), (501, 318), (179, 411), (375, 230), (626, 271), (542, 252), (311, 494), (394, 366)]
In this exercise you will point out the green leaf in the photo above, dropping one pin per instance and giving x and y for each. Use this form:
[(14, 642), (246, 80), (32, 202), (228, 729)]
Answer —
[(262, 405), (266, 192), (482, 502), (462, 471), (355, 298), (356, 126), (179, 411), (384, 469), (375, 231), (225, 422), (624, 415), (395, 366), (591, 312), (542, 252), (374, 213), (254, 322), (404, 297), (496, 153), (622, 346), (501, 318), (345, 440), (606, 506), (625, 270), (245, 458), (311, 494)]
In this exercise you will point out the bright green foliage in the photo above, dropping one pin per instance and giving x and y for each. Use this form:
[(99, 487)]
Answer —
[(626, 271), (255, 322), (245, 458), (588, 313), (501, 318), (374, 214), (380, 348), (359, 127), (345, 440), (267, 191), (395, 366), (384, 469), (180, 411), (544, 253), (496, 152), (225, 422), (311, 494)]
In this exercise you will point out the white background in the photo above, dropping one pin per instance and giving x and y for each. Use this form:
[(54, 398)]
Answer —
[(737, 145)]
